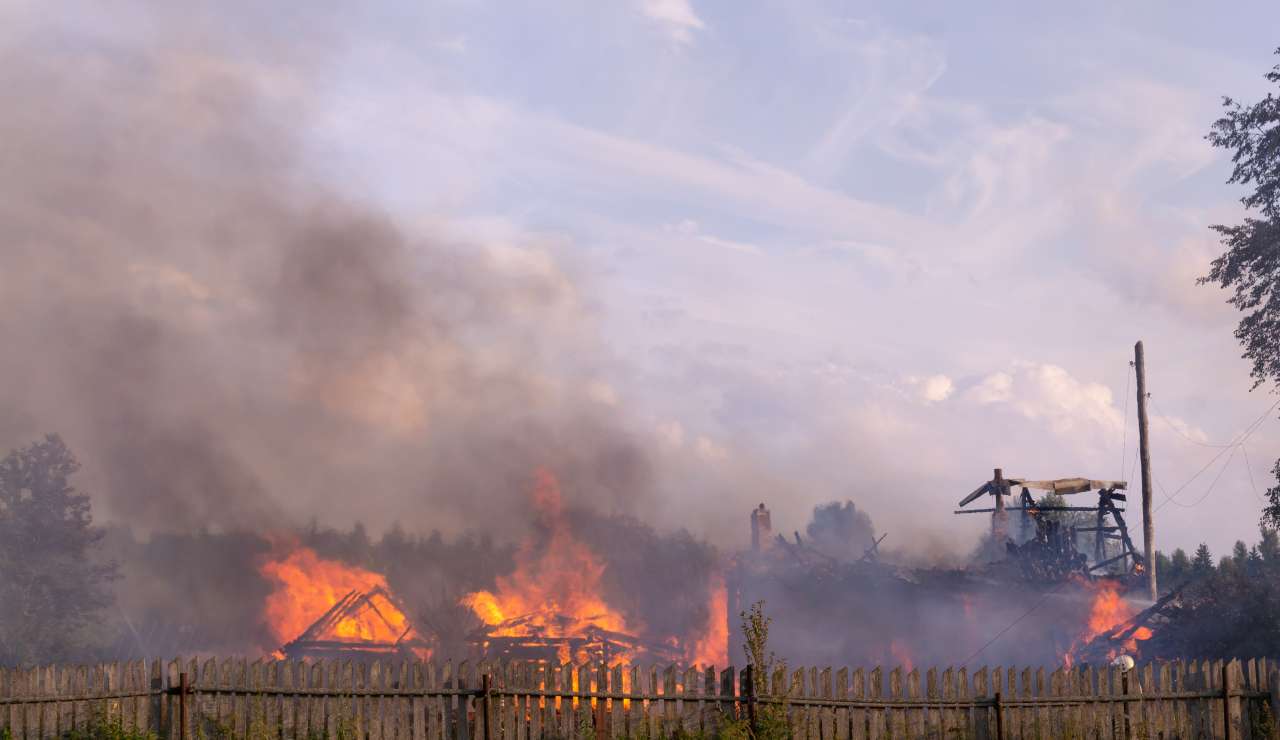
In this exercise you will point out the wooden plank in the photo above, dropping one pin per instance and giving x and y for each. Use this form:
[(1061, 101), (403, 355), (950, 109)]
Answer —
[(796, 718), (840, 717), (826, 714), (1080, 688), (449, 703), (543, 711), (417, 683), (1213, 675), (9, 714), (508, 713), (649, 684), (324, 675), (727, 710), (669, 708), (568, 681), (947, 724), (979, 716), (858, 715), (999, 717), (1233, 678), (1026, 716), (877, 717), (433, 705), (916, 715), (897, 717), (296, 706), (367, 706), (689, 702)]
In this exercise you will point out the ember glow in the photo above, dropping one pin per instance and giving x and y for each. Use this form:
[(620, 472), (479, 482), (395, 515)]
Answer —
[(307, 586)]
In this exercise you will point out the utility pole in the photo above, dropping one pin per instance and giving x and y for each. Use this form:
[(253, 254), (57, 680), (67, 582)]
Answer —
[(1000, 518), (1144, 456)]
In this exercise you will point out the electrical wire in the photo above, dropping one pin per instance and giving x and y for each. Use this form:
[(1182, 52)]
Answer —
[(1249, 467), (1165, 418), (1015, 622), (1236, 443)]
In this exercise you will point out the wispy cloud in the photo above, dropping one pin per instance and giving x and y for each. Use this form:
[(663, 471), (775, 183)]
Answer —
[(676, 17)]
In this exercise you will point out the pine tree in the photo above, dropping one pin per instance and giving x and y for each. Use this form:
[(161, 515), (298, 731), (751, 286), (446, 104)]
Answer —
[(1203, 561), (51, 587)]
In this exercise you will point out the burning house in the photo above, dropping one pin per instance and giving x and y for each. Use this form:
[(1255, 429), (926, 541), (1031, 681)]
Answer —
[(553, 606)]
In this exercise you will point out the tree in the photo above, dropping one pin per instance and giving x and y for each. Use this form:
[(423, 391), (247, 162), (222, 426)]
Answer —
[(1202, 563), (1250, 266), (51, 587)]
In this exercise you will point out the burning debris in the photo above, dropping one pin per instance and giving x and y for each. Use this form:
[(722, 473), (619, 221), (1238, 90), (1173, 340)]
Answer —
[(323, 608), (562, 638), (332, 635), (553, 605)]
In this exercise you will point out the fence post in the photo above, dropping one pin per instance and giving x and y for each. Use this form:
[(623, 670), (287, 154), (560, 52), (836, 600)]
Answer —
[(486, 691), (999, 717), (1226, 700), (748, 691), (1273, 685), (182, 705), (1124, 689)]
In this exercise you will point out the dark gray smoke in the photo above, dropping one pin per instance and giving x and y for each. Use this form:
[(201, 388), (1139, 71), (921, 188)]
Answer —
[(840, 530), (226, 340)]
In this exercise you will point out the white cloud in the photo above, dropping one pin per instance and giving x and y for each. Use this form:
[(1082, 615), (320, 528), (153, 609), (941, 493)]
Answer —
[(675, 16), (933, 388)]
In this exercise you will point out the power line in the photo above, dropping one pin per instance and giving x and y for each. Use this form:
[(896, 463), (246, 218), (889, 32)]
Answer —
[(1165, 418), (1236, 443), (1249, 467), (1015, 622)]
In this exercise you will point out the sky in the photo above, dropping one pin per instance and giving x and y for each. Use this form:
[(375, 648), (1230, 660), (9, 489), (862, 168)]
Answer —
[(888, 249), (849, 250)]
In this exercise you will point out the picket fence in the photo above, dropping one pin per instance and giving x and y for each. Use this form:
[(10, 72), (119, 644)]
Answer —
[(530, 700)]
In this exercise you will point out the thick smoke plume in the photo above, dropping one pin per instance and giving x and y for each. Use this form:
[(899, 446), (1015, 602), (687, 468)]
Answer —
[(236, 347), (229, 342)]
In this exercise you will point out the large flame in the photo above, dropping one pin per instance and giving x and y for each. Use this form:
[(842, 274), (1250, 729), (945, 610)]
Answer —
[(1108, 610), (712, 648), (555, 591), (553, 580), (307, 586)]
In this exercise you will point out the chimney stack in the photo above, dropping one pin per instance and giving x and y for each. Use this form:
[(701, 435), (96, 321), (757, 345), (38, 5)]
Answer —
[(761, 528)]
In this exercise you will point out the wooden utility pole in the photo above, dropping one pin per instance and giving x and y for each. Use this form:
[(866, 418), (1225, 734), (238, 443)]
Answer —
[(1144, 457), (999, 519)]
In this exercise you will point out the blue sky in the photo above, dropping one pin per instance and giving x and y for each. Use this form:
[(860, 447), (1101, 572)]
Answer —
[(818, 249), (884, 249)]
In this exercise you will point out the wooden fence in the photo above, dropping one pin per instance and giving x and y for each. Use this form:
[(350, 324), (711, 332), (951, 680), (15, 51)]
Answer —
[(527, 701)]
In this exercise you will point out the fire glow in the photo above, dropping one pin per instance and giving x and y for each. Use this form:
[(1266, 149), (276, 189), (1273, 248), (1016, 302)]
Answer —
[(556, 592), (1108, 610), (307, 586)]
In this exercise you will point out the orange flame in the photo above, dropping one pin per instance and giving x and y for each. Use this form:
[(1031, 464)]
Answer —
[(556, 592), (1107, 611), (712, 648), (307, 586), (561, 581)]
